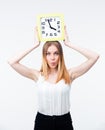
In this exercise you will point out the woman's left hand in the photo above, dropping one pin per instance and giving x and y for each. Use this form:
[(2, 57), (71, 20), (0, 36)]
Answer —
[(66, 37)]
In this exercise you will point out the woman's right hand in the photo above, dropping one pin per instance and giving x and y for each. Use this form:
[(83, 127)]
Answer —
[(37, 41)]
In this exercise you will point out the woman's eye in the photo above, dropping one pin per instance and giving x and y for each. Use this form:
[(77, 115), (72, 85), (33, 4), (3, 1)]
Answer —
[(56, 53), (47, 53)]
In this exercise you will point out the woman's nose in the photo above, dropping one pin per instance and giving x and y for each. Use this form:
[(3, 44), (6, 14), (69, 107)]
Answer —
[(52, 57)]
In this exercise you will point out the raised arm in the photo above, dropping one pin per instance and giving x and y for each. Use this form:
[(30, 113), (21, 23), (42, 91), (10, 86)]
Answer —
[(81, 69), (21, 69)]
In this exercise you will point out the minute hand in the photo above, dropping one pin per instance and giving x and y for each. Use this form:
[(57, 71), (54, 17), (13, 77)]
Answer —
[(51, 26)]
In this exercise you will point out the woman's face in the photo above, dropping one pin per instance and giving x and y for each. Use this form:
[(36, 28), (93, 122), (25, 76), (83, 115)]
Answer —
[(52, 57)]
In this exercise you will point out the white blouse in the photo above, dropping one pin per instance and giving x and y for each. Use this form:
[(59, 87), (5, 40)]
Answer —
[(53, 99)]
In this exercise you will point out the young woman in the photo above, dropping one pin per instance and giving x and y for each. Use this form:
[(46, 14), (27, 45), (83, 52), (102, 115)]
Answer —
[(53, 82)]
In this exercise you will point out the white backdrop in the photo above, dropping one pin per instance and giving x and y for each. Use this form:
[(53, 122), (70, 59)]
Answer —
[(85, 21)]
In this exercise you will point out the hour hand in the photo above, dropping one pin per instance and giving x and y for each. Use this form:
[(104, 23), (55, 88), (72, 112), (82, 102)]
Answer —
[(53, 28)]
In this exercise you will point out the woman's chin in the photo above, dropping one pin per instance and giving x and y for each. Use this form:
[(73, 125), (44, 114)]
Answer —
[(53, 67)]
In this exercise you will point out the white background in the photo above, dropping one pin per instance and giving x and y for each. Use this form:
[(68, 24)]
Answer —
[(85, 21)]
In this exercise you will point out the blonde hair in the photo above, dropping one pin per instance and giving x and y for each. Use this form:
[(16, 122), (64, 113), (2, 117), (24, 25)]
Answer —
[(62, 71)]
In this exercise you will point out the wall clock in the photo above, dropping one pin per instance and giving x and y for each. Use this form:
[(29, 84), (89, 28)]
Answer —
[(50, 27)]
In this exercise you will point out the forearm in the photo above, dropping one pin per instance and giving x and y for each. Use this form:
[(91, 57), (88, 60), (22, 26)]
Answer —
[(21, 55), (85, 52)]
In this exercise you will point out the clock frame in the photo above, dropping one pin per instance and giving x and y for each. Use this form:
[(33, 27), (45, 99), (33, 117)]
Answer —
[(50, 27)]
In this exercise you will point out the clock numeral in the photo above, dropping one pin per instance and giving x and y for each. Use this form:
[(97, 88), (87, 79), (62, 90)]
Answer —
[(43, 27), (58, 26), (58, 22), (43, 32), (51, 34), (46, 34), (55, 34), (59, 31), (50, 19), (42, 23), (54, 19)]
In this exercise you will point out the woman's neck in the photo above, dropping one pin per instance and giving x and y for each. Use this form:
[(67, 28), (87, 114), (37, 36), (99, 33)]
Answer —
[(53, 71), (52, 76)]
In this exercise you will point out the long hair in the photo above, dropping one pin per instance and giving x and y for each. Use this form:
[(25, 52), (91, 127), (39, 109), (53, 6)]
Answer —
[(61, 68)]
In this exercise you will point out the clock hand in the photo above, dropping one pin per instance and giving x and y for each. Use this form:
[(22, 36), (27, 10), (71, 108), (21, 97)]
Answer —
[(50, 25), (53, 28)]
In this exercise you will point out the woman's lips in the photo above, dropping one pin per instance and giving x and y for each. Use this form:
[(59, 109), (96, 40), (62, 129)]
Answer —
[(53, 63)]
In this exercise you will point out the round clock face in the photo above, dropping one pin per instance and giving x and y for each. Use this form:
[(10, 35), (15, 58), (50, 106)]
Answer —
[(50, 27)]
